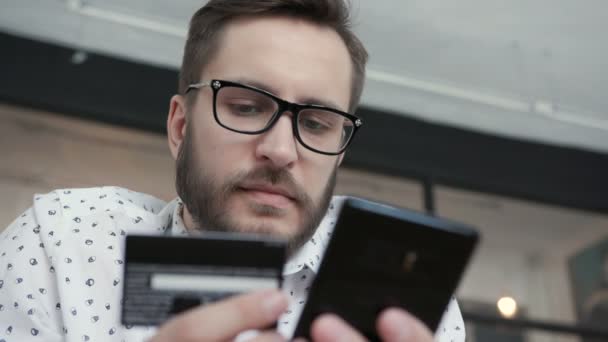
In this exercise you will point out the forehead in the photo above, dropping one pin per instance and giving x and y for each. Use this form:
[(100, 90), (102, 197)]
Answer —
[(294, 57)]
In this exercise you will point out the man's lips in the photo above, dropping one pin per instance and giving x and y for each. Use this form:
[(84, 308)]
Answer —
[(269, 195)]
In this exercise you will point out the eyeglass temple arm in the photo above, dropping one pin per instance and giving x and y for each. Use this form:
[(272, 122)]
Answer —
[(198, 85)]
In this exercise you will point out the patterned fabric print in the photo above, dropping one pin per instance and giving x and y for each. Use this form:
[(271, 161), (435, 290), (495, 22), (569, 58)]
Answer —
[(61, 266)]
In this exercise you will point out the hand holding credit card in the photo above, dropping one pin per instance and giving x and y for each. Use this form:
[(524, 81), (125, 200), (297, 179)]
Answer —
[(167, 275)]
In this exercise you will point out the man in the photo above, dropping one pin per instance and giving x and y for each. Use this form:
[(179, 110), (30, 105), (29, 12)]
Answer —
[(258, 131)]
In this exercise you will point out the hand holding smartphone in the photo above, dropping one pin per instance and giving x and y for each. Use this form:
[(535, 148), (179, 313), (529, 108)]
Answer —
[(381, 256)]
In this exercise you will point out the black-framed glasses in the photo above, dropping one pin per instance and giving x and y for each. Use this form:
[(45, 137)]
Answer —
[(249, 110)]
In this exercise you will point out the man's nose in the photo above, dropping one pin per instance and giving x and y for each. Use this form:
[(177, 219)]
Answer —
[(278, 145)]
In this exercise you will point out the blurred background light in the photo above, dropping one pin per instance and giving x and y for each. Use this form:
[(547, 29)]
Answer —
[(507, 306)]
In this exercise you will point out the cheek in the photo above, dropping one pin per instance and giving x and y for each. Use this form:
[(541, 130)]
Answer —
[(317, 176), (218, 150)]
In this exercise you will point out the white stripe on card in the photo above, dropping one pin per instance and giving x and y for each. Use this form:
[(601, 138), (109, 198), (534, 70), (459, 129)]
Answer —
[(188, 282)]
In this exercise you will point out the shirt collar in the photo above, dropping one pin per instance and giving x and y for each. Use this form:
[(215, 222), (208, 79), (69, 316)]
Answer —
[(177, 226), (309, 255)]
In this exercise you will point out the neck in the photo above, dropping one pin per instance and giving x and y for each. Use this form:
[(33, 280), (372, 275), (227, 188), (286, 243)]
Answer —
[(187, 219)]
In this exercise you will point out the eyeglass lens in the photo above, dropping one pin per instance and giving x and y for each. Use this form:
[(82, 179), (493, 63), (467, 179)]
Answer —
[(250, 111)]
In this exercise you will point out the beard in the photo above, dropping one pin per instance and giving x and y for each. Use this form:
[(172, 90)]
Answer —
[(206, 198)]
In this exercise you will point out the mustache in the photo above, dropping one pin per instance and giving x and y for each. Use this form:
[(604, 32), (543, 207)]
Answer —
[(272, 176)]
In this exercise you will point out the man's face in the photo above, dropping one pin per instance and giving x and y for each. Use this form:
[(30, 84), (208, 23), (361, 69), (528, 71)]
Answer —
[(265, 183)]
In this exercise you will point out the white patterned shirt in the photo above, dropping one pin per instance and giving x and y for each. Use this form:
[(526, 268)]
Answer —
[(61, 266)]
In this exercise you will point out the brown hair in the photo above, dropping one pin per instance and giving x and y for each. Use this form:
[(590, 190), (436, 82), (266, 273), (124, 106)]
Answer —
[(207, 23)]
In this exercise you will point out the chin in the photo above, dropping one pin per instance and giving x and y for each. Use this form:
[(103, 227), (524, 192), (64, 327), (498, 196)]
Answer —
[(265, 226), (263, 219)]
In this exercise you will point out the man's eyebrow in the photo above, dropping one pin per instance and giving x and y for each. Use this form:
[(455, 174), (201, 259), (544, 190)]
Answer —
[(270, 89), (255, 84), (320, 102)]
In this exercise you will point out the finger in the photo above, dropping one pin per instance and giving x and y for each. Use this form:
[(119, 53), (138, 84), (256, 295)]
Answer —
[(329, 327), (225, 319), (268, 336), (396, 325)]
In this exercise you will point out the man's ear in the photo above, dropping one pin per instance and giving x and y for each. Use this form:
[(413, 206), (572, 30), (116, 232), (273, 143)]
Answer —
[(176, 124)]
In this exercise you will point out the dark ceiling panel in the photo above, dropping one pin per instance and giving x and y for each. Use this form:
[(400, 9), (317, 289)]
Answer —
[(100, 88), (481, 162)]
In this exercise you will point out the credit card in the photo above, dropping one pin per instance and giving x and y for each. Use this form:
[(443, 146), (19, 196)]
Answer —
[(166, 275)]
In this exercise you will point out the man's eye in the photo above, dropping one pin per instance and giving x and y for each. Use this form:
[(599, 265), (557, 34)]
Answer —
[(314, 125), (245, 109)]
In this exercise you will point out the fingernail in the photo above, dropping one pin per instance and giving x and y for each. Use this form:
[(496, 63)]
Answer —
[(334, 329), (247, 335), (274, 303)]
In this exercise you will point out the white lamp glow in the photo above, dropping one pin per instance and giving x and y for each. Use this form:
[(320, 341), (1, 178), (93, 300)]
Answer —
[(507, 306)]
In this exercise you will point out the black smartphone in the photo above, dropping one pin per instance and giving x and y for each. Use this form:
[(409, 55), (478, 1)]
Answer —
[(380, 256)]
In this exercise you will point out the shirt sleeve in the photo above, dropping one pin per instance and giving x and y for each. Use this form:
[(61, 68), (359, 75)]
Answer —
[(28, 291)]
